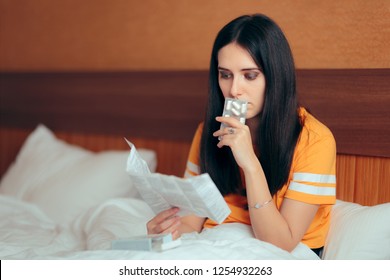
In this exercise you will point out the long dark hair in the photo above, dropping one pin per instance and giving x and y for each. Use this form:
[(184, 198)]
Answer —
[(280, 125)]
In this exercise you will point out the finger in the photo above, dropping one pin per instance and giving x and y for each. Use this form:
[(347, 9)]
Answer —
[(175, 234), (168, 226), (218, 133), (229, 139), (225, 131), (163, 215), (152, 226), (221, 143), (224, 141), (230, 130), (229, 121)]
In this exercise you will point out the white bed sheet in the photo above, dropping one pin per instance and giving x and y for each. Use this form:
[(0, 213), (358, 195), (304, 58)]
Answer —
[(27, 233)]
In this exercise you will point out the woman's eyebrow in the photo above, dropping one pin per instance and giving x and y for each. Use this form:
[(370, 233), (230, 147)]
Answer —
[(251, 69), (244, 69)]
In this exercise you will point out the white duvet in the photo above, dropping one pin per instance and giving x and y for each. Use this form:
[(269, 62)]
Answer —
[(26, 232)]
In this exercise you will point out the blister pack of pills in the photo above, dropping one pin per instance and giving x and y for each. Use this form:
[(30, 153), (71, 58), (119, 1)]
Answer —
[(235, 108), (151, 242)]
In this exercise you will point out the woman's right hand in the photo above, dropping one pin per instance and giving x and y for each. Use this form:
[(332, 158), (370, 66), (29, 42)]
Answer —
[(165, 222)]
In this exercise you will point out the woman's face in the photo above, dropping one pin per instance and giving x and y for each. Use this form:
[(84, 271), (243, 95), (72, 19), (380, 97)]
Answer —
[(240, 77)]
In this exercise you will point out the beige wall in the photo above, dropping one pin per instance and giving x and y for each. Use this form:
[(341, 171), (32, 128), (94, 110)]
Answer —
[(178, 34)]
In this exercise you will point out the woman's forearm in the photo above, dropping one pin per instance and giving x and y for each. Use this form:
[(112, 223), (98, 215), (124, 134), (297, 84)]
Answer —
[(267, 222)]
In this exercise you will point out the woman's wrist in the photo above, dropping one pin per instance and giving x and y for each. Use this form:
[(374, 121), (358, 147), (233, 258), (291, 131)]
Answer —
[(253, 167)]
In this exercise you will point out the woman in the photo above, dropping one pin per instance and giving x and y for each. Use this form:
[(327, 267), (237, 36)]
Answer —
[(277, 171)]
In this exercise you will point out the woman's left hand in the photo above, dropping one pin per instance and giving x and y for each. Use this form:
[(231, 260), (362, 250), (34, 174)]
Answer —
[(238, 137)]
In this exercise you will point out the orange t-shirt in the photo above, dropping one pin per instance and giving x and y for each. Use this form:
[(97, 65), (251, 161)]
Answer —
[(312, 178)]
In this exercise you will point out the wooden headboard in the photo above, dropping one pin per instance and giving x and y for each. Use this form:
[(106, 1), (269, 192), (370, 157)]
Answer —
[(161, 109)]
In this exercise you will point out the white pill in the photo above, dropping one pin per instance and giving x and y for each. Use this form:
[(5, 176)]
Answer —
[(243, 108), (236, 105), (235, 112), (229, 105)]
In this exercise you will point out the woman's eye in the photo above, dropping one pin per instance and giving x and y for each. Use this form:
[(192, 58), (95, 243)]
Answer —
[(225, 75), (251, 76)]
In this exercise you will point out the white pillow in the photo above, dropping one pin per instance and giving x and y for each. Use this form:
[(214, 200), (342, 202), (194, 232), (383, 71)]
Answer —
[(358, 232), (113, 219), (65, 180)]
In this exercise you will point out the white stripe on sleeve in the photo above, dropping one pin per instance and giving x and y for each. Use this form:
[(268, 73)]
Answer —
[(193, 167), (314, 178), (314, 190)]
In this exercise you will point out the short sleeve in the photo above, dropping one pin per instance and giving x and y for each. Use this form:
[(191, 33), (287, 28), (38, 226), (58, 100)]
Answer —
[(193, 168), (313, 178)]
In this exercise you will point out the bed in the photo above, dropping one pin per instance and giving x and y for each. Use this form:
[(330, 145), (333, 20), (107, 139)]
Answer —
[(64, 192)]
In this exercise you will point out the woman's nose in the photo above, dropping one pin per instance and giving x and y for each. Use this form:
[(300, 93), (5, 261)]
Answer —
[(235, 90)]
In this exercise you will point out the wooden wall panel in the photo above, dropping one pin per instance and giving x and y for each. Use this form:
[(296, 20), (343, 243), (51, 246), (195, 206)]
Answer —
[(103, 35), (345, 173), (364, 180), (11, 139), (149, 104), (353, 103)]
